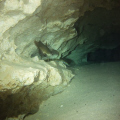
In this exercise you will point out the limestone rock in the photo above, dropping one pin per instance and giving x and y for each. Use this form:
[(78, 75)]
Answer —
[(25, 86), (51, 22), (25, 79), (96, 29)]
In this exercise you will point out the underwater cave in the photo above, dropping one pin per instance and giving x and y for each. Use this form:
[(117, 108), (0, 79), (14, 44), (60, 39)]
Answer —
[(59, 60)]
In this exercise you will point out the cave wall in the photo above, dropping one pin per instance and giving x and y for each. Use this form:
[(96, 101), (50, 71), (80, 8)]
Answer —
[(25, 85), (97, 29), (25, 79), (52, 22)]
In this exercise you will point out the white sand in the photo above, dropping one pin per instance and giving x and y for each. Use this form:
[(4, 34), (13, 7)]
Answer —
[(93, 94)]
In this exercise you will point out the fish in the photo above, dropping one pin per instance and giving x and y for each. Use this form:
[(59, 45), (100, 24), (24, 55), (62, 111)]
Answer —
[(43, 49)]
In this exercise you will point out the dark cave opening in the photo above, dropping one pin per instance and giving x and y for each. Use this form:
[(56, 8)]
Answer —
[(98, 37), (104, 55)]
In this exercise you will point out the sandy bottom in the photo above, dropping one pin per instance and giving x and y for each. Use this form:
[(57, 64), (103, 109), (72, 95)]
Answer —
[(93, 94)]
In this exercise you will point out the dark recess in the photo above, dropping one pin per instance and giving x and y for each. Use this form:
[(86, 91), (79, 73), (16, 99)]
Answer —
[(104, 55)]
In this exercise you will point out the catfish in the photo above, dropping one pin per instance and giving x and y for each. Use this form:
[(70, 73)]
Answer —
[(43, 49)]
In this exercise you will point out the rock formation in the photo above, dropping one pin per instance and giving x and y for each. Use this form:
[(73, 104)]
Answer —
[(60, 26)]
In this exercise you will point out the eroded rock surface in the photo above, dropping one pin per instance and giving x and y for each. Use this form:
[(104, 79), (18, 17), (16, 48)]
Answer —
[(25, 79), (97, 29), (24, 86), (51, 22)]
